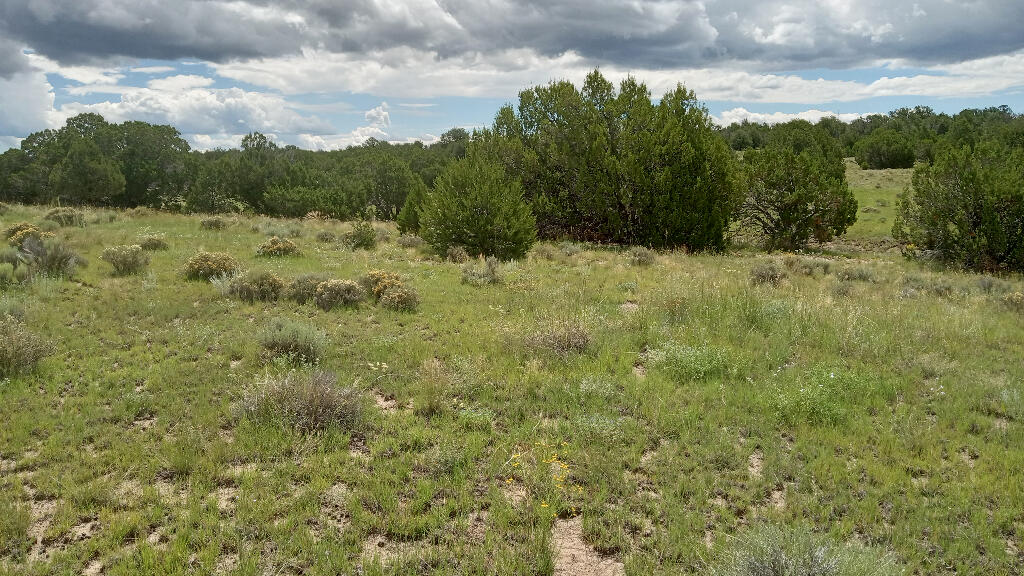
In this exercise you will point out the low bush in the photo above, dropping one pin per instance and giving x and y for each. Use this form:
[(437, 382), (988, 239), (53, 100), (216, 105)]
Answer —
[(1014, 301), (153, 242), (310, 403), (768, 550), (856, 274), (256, 285), (383, 235), (807, 266), (206, 265), (326, 236), (333, 293), (20, 349), (50, 258), (641, 256), (65, 216), (126, 260), (561, 336), (363, 236), (767, 273), (378, 281), (457, 254), (480, 274), (294, 341), (277, 247), (400, 298), (303, 288), (410, 241), (688, 363), (569, 249), (18, 234), (213, 223), (11, 231)]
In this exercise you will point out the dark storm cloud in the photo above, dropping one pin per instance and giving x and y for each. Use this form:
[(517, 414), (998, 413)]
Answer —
[(641, 34), (12, 60)]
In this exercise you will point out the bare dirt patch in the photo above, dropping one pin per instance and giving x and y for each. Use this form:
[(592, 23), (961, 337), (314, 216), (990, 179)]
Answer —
[(41, 514), (378, 548), (574, 557), (387, 405), (226, 497), (333, 509), (85, 530), (95, 568), (778, 498), (477, 526), (514, 492), (640, 371), (629, 307), (755, 465), (144, 424)]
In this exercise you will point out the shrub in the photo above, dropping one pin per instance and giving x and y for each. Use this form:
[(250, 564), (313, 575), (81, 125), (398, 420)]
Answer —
[(126, 260), (334, 293), (65, 216), (856, 274), (326, 236), (383, 235), (563, 337), (363, 236), (641, 256), (966, 208), (807, 266), (213, 223), (884, 148), (457, 254), (256, 286), (11, 231), (688, 362), (293, 340), (303, 288), (378, 281), (206, 265), (784, 551), (12, 308), (767, 273), (10, 255), (400, 298), (476, 205), (486, 272), (1014, 301), (153, 242), (410, 241), (277, 247), (17, 235), (50, 258), (791, 196), (20, 349), (310, 403)]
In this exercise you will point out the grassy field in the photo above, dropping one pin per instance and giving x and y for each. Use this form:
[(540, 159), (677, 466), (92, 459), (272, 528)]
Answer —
[(586, 415), (877, 192)]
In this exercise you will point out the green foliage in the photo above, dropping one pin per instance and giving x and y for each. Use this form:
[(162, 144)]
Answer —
[(50, 258), (4, 208), (885, 148), (294, 341), (967, 207), (409, 218), (309, 402), (768, 550), (275, 247), (153, 242), (475, 205), (363, 236), (65, 216), (15, 521), (213, 223), (20, 349), (688, 363), (126, 260), (303, 288), (333, 293), (256, 286), (410, 241), (400, 298), (457, 254), (206, 265), (326, 236), (389, 184), (487, 271), (641, 256), (86, 176), (791, 196)]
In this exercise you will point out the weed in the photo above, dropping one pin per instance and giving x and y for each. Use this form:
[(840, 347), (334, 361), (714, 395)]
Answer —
[(561, 336), (256, 285), (65, 216), (410, 241), (457, 254), (807, 266), (15, 521), (277, 247), (767, 273), (382, 235), (20, 349), (303, 288), (569, 249), (326, 236), (294, 341), (206, 265), (400, 298), (126, 260), (1014, 301), (4, 208), (310, 403), (486, 272), (213, 223), (688, 362), (333, 293), (641, 256), (153, 242)]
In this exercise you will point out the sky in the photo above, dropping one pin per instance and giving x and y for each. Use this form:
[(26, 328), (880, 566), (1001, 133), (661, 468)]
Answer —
[(326, 74)]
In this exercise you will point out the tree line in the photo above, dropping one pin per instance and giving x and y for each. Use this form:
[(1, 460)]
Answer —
[(599, 162)]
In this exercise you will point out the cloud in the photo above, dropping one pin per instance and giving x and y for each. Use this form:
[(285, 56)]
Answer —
[(737, 115), (378, 121), (26, 105)]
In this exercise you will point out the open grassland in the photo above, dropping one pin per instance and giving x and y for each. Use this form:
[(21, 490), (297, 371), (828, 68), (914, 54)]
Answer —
[(590, 410), (877, 192)]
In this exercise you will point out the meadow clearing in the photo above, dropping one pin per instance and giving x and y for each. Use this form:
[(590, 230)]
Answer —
[(586, 410)]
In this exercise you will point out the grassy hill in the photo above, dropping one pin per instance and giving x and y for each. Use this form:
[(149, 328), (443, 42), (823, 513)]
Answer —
[(589, 408)]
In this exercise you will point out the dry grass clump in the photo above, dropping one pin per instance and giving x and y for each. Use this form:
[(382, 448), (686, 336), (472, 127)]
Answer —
[(126, 260), (486, 271), (10, 275), (50, 258), (294, 341), (303, 288), (20, 349), (767, 273), (457, 254), (65, 216), (641, 256), (316, 216), (857, 274), (400, 298), (309, 403), (153, 242), (213, 223), (410, 241), (207, 265), (326, 236), (781, 551), (334, 293), (561, 336), (256, 285), (277, 246), (807, 266), (1014, 301), (377, 282)]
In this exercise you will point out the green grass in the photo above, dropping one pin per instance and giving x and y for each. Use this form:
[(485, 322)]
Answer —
[(701, 407), (877, 192)]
